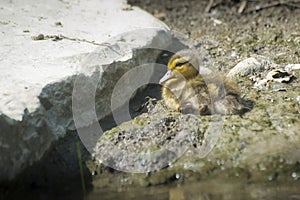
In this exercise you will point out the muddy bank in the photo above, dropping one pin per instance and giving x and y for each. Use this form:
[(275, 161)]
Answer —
[(260, 146)]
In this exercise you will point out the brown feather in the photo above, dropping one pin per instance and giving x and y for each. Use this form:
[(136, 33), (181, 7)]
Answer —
[(206, 94)]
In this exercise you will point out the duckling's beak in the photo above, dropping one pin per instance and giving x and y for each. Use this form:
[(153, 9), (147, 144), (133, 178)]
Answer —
[(166, 77)]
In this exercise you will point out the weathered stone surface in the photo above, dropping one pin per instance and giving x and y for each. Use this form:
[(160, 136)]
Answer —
[(43, 48), (251, 65), (261, 145), (156, 139)]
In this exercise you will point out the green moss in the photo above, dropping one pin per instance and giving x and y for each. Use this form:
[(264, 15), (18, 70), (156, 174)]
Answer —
[(109, 135), (141, 121)]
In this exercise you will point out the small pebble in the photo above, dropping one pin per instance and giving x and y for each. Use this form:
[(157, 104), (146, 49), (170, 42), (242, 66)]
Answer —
[(216, 21), (58, 24), (160, 16), (294, 175), (128, 8), (39, 37), (298, 99)]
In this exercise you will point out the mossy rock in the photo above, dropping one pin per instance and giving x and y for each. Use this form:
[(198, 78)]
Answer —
[(260, 145)]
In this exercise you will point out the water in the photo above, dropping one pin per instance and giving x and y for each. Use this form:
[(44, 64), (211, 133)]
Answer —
[(204, 190)]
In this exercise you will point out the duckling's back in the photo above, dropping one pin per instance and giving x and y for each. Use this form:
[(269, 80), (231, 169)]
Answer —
[(211, 94)]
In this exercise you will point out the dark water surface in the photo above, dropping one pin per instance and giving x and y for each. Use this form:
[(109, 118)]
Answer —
[(208, 190)]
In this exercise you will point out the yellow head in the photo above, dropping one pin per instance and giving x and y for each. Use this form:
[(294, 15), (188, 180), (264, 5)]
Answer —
[(181, 65)]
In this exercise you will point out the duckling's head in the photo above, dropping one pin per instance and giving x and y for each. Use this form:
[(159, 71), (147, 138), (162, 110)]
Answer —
[(181, 65)]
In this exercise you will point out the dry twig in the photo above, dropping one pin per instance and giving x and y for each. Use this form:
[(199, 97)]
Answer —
[(209, 6), (274, 4), (242, 7)]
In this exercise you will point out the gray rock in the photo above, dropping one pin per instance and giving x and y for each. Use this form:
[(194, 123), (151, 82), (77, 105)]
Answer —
[(251, 65), (38, 73), (147, 143), (261, 145)]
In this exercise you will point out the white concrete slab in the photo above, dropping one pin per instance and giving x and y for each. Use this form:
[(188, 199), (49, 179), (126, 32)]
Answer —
[(26, 65), (27, 126)]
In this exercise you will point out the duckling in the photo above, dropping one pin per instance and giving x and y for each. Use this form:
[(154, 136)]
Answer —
[(185, 89)]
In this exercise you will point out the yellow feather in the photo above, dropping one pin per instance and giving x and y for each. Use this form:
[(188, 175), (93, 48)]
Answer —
[(206, 94)]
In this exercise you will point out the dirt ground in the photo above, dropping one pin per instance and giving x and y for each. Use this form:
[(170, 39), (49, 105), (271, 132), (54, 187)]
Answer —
[(268, 28)]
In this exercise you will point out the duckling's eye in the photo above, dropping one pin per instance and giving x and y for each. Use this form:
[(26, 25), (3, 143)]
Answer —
[(178, 64)]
